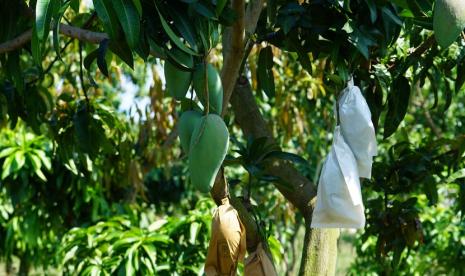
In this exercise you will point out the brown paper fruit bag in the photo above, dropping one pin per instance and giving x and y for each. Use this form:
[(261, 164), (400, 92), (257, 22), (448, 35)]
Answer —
[(227, 245), (259, 264)]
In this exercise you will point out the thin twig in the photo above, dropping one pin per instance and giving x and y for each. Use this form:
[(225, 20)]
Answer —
[(67, 30)]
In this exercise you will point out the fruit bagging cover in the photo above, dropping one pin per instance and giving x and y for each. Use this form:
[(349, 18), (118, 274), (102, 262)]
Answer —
[(339, 200), (357, 127), (227, 245)]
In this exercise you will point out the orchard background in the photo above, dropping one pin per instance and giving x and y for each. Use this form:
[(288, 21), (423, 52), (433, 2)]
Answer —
[(93, 179)]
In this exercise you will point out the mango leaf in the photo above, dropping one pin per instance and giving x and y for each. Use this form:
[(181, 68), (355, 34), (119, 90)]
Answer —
[(397, 105), (448, 95), (88, 60), (373, 11), (393, 17), (176, 40), (460, 75), (75, 5), (44, 11), (122, 50), (204, 10), (265, 72), (415, 8), (129, 19), (14, 70), (304, 60), (138, 6), (461, 199), (455, 176), (287, 156), (361, 39), (220, 6), (57, 16), (8, 151), (36, 48), (107, 14), (184, 27), (101, 62)]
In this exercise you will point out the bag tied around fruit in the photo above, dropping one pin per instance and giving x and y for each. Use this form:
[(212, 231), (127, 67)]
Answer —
[(357, 127), (227, 245), (339, 199), (259, 264)]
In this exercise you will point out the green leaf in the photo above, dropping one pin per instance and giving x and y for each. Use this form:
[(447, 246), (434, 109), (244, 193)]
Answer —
[(13, 68), (8, 166), (361, 39), (44, 158), (44, 10), (394, 18), (220, 4), (75, 5), (204, 10), (57, 16), (101, 62), (460, 75), (265, 71), (397, 105), (287, 156), (89, 59), (35, 161), (106, 13), (138, 6), (456, 175), (194, 231), (8, 151), (122, 50), (184, 27), (174, 37), (36, 47), (304, 60), (129, 19), (20, 159), (373, 11)]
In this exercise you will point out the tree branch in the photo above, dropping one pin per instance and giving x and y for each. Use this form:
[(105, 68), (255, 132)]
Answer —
[(233, 43), (67, 30), (301, 190)]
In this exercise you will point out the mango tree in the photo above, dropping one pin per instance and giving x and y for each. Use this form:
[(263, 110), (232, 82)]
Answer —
[(389, 47)]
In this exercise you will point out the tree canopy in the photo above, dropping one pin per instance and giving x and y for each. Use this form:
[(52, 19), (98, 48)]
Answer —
[(91, 186)]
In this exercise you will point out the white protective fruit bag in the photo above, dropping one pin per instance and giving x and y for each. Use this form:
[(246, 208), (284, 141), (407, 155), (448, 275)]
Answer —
[(357, 127), (339, 199)]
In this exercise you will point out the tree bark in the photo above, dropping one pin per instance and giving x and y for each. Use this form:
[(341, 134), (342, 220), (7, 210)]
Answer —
[(24, 266), (319, 254), (67, 30)]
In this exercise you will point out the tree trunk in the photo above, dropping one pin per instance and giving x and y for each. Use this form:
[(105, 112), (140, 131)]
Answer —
[(319, 253), (24, 266)]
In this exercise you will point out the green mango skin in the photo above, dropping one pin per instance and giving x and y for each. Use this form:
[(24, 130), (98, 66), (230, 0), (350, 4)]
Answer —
[(215, 88), (448, 21), (186, 125), (177, 80), (207, 151)]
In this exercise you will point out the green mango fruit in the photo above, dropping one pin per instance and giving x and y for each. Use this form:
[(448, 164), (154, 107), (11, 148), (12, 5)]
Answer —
[(215, 88), (177, 80), (208, 148), (186, 126), (448, 21)]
